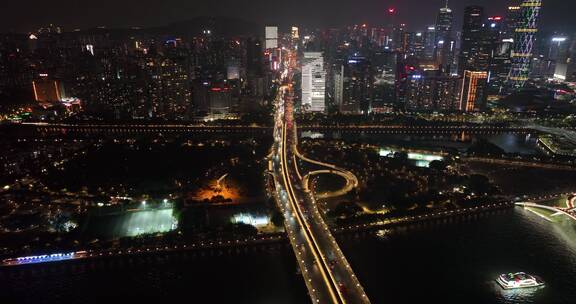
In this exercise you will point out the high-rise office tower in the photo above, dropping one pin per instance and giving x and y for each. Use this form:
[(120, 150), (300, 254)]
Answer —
[(383, 94), (313, 82), (558, 47), (338, 85), (512, 20), (432, 91), (399, 37), (499, 49), (358, 85), (501, 61), (524, 40), (474, 52), (271, 35), (415, 44), (168, 85), (254, 60), (444, 39), (429, 42), (473, 91), (554, 50), (295, 33), (564, 49), (273, 54)]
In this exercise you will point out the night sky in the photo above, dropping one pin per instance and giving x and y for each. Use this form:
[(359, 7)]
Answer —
[(24, 16)]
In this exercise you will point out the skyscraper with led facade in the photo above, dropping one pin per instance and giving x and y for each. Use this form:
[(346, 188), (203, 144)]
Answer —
[(473, 91), (524, 40)]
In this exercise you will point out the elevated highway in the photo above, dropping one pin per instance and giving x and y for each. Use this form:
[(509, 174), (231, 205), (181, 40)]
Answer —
[(328, 275)]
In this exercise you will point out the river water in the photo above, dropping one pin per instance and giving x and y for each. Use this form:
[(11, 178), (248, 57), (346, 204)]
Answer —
[(509, 142), (457, 261), (450, 261)]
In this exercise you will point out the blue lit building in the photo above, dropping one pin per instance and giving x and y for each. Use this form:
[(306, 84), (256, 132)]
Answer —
[(524, 40)]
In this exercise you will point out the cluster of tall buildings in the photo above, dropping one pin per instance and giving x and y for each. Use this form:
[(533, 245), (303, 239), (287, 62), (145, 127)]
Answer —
[(361, 69), (442, 68), (136, 73)]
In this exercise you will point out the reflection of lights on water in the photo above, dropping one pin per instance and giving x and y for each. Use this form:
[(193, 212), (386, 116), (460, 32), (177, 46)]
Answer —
[(562, 228), (519, 295)]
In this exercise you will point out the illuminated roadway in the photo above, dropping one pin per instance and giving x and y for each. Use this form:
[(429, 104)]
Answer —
[(327, 274), (351, 183)]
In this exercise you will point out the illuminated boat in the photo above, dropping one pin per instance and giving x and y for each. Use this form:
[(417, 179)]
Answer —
[(35, 259), (519, 280)]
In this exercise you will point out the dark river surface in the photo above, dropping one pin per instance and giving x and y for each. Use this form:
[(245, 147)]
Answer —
[(450, 261), (457, 261), (509, 142)]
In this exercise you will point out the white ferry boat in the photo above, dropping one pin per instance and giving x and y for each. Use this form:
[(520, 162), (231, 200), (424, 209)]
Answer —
[(518, 280)]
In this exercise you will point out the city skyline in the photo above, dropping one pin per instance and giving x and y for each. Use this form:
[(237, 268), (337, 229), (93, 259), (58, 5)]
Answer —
[(556, 14), (324, 152)]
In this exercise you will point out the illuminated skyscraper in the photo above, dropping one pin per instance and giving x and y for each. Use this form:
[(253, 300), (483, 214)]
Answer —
[(399, 37), (271, 35), (313, 82), (511, 21), (563, 52), (473, 94), (429, 42), (524, 39), (295, 33), (474, 52), (415, 44), (339, 86), (432, 90), (499, 49), (444, 40), (358, 85)]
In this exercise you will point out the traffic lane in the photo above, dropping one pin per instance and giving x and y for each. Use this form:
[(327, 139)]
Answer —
[(339, 266), (306, 260), (309, 263)]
